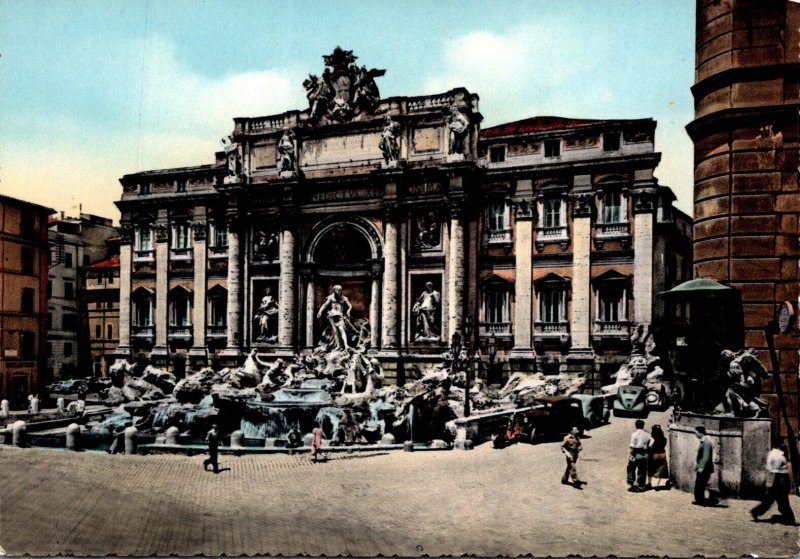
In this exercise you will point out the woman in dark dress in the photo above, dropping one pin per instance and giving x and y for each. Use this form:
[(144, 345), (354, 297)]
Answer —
[(657, 463)]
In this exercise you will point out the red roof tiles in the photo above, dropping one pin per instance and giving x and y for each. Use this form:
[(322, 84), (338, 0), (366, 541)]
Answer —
[(536, 124)]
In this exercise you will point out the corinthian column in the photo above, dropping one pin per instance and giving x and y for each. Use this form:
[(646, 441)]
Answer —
[(162, 287), (580, 321), (523, 284), (643, 218), (288, 280), (456, 279), (199, 303), (233, 347), (390, 295), (124, 347)]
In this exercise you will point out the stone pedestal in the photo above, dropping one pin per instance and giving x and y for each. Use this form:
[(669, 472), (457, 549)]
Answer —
[(740, 450)]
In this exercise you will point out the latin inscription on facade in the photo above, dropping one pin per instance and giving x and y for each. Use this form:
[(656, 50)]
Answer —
[(344, 195)]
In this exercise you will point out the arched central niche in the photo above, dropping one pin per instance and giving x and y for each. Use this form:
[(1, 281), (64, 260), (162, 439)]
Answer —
[(342, 243), (342, 251)]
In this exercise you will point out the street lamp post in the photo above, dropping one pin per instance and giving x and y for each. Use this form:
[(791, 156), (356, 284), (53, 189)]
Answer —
[(468, 368), (492, 350)]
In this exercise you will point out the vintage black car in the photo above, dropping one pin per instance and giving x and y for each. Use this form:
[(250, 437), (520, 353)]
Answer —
[(550, 417)]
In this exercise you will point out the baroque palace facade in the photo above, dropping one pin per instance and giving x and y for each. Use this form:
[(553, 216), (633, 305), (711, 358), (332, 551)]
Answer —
[(550, 235)]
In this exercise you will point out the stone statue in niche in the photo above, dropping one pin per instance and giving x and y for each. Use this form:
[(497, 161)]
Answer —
[(286, 152), (425, 311), (389, 144), (458, 125), (266, 245), (427, 232), (338, 308), (234, 160), (266, 317)]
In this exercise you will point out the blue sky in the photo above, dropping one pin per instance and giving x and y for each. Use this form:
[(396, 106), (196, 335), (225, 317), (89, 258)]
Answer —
[(90, 91)]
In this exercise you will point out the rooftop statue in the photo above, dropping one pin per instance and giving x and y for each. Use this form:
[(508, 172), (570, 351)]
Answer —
[(458, 124), (389, 144)]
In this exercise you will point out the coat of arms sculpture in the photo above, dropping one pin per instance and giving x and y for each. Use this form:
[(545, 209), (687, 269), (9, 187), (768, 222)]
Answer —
[(345, 89)]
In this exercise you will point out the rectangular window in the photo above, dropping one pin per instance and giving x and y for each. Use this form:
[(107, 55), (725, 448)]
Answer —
[(111, 276), (99, 279), (179, 312), (27, 260), (219, 234), (552, 212), (26, 305), (50, 288), (143, 311), (27, 345), (496, 307), (611, 304), (611, 141), (144, 239), (27, 224), (68, 260), (181, 186), (497, 217), (497, 154), (68, 349), (144, 188), (70, 322), (49, 321), (97, 331), (109, 304), (551, 305), (180, 236), (109, 332), (552, 148), (218, 311), (68, 293), (86, 260), (612, 206)]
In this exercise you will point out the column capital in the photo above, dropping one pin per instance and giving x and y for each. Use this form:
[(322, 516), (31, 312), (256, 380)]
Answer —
[(161, 232), (392, 212), (125, 232), (644, 199), (582, 203), (199, 230), (523, 208)]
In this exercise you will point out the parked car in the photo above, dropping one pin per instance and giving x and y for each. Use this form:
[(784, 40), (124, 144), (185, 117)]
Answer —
[(550, 416), (595, 409), (56, 388), (73, 387), (631, 401)]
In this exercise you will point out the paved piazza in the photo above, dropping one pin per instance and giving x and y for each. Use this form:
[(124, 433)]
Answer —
[(483, 502)]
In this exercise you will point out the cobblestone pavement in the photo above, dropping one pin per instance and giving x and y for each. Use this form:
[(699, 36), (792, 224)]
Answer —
[(485, 502)]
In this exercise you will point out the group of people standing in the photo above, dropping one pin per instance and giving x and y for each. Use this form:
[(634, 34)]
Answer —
[(647, 460)]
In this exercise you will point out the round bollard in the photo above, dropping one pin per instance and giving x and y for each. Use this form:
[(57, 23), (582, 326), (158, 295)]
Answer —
[(438, 443), (237, 439), (172, 435), (408, 446), (131, 439), (4, 408), (308, 439), (73, 437), (19, 432), (60, 404), (34, 405), (387, 438)]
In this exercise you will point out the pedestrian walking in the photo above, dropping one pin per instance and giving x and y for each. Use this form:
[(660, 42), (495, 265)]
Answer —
[(316, 442), (778, 485), (571, 447), (704, 467), (212, 440), (657, 468), (637, 458)]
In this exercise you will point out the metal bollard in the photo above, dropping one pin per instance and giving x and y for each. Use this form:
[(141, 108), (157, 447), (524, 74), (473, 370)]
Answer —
[(73, 437), (237, 439), (131, 439), (172, 435), (60, 404), (19, 432), (4, 408)]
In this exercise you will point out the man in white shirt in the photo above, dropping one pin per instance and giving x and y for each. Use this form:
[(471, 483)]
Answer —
[(778, 484), (637, 460)]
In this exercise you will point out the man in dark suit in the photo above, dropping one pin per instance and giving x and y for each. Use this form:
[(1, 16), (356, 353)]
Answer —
[(212, 440), (704, 467)]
